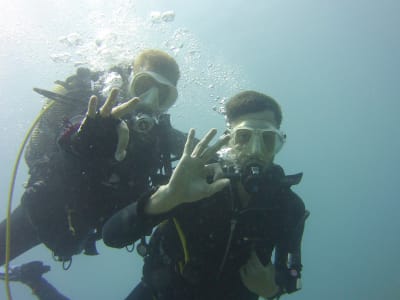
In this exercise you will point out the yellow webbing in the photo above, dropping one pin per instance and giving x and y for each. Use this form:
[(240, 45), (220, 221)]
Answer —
[(182, 238)]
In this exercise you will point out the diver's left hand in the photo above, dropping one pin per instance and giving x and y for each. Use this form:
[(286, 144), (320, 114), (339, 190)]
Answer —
[(258, 278)]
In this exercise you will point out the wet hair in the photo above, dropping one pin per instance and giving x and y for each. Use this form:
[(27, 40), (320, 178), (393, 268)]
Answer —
[(159, 62), (251, 102)]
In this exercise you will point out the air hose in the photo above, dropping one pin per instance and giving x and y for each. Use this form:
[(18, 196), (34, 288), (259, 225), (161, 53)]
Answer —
[(10, 195)]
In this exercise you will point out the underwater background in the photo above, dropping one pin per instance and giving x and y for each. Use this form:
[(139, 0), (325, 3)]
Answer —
[(334, 66)]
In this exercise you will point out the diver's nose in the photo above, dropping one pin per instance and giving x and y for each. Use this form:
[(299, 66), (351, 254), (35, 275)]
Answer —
[(149, 100), (256, 147)]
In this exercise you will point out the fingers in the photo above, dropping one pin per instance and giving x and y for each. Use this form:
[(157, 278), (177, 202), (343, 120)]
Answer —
[(123, 140), (245, 271), (106, 109), (254, 264), (210, 152), (92, 107), (217, 186), (124, 108), (189, 142), (203, 144), (214, 170), (253, 256)]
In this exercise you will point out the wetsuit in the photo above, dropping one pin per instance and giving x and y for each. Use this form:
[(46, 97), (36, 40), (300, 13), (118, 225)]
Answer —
[(197, 249), (70, 196)]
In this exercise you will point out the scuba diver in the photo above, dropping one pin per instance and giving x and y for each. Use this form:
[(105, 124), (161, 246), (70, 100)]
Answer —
[(30, 274), (217, 225), (101, 162)]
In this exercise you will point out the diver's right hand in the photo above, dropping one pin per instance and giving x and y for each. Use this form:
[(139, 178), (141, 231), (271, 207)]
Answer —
[(189, 181), (102, 133)]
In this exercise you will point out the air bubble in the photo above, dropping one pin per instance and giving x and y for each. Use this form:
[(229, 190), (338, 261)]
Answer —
[(61, 57)]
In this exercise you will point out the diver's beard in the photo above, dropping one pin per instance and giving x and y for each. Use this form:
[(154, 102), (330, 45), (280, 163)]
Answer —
[(248, 163), (252, 174)]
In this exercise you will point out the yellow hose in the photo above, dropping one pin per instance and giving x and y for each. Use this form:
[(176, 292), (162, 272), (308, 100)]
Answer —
[(10, 195), (183, 243)]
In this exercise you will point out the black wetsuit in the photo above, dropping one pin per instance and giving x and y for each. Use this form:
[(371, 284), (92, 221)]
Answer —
[(44, 290), (213, 228), (70, 196)]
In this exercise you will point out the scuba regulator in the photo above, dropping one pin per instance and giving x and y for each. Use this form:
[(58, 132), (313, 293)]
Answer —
[(251, 176), (143, 123)]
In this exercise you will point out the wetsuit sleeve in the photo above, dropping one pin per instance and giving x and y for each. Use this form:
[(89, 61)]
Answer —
[(131, 223), (44, 290)]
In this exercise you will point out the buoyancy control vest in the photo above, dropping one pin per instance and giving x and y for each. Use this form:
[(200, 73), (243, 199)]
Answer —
[(68, 99), (158, 261)]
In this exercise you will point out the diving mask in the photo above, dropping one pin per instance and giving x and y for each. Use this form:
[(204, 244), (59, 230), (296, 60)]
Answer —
[(144, 84), (253, 142), (268, 137)]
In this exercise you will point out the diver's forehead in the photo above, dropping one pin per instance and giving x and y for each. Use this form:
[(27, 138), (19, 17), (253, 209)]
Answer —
[(255, 124), (263, 120)]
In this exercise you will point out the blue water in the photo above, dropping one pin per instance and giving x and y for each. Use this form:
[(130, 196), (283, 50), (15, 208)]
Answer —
[(333, 65)]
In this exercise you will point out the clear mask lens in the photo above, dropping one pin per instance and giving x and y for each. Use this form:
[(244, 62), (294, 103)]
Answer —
[(150, 99), (142, 83), (271, 140)]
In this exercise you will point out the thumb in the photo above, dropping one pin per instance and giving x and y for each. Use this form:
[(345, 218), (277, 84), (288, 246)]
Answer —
[(218, 185), (123, 140)]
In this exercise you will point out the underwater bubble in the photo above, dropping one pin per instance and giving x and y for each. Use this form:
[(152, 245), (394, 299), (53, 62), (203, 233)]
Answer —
[(61, 57), (106, 37), (226, 153), (168, 16), (155, 17), (71, 40), (79, 63), (111, 80)]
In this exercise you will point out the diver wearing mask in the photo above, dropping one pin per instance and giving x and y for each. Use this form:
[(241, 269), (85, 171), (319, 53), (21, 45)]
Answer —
[(218, 237), (156, 93), (251, 149), (100, 164)]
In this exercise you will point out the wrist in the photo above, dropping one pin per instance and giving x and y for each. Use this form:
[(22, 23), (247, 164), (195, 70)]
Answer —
[(161, 201)]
